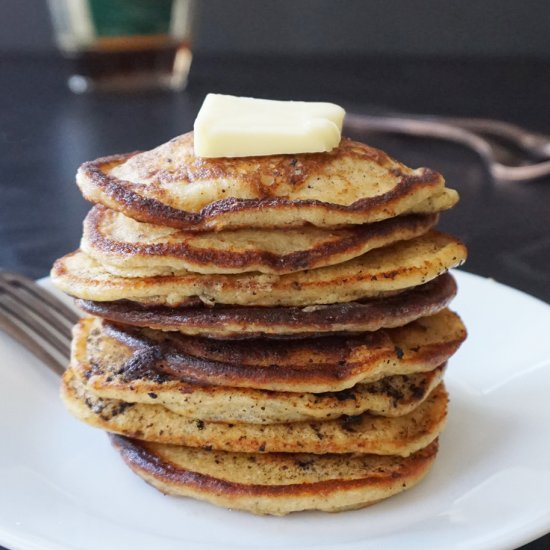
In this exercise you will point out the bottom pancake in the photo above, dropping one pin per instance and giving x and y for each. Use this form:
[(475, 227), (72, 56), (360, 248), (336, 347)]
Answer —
[(366, 433), (275, 484)]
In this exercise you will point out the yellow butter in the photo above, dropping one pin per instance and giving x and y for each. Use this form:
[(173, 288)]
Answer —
[(229, 126)]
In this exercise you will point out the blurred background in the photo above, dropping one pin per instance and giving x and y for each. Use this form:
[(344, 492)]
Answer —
[(366, 27)]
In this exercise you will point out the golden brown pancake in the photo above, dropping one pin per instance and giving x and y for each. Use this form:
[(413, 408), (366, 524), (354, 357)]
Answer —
[(271, 483), (380, 272), (226, 322), (314, 365), (352, 184), (101, 362), (365, 433), (129, 248)]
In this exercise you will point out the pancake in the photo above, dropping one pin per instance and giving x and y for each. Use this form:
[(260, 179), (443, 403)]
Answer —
[(313, 365), (101, 362), (274, 484), (352, 184), (129, 248), (365, 433), (379, 272), (227, 322)]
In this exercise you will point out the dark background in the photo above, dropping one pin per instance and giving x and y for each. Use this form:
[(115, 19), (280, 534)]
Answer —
[(389, 27), (487, 59)]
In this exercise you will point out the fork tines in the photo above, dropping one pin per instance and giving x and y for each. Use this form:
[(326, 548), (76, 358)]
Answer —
[(37, 319)]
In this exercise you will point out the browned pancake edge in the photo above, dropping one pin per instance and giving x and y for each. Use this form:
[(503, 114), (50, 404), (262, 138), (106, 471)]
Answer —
[(228, 322), (99, 186), (329, 495), (354, 241), (323, 364)]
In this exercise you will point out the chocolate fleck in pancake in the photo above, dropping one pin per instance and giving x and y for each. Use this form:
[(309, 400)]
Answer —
[(129, 248), (352, 184), (101, 364), (366, 433), (313, 365), (380, 272), (274, 483), (226, 322)]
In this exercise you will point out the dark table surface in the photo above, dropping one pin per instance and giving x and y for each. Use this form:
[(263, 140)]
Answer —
[(46, 132)]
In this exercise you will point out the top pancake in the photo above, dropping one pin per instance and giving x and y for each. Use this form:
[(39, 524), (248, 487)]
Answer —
[(352, 184)]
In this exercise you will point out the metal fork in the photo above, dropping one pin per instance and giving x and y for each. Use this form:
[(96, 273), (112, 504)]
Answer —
[(511, 153), (37, 319)]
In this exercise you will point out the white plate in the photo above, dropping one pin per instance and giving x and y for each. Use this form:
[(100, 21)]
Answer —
[(63, 487)]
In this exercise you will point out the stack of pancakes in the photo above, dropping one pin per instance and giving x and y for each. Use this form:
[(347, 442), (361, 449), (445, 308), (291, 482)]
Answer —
[(265, 333)]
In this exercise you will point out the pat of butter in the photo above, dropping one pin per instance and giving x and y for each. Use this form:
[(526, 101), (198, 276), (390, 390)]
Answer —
[(229, 126)]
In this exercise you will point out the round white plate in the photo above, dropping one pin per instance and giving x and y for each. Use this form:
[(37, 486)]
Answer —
[(63, 487)]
